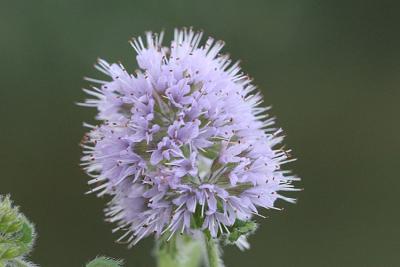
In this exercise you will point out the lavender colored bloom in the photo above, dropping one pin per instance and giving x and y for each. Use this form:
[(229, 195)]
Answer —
[(183, 144)]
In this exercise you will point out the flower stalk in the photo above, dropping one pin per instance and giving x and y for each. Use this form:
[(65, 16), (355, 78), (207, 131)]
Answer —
[(212, 255), (181, 251)]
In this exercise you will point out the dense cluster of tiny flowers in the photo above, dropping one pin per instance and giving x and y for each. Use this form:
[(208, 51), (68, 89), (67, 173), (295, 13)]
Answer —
[(183, 144)]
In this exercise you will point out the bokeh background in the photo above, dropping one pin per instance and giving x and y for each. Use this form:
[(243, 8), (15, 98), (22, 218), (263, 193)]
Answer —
[(329, 68)]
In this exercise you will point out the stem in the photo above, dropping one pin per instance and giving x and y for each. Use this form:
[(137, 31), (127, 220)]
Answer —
[(181, 251), (212, 252)]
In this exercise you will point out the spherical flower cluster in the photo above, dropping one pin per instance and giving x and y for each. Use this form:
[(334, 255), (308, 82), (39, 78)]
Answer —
[(183, 144)]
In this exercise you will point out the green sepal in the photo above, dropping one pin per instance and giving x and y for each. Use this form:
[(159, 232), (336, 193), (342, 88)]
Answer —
[(241, 228), (213, 151), (196, 219)]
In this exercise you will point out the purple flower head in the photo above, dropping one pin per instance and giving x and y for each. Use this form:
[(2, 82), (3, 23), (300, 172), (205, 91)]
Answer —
[(183, 145)]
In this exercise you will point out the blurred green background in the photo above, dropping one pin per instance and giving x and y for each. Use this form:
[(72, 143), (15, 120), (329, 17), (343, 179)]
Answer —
[(330, 69)]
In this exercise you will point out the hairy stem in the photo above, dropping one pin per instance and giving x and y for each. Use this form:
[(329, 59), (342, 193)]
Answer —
[(212, 252), (181, 251)]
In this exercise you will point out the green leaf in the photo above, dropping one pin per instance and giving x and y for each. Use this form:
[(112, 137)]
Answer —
[(104, 262)]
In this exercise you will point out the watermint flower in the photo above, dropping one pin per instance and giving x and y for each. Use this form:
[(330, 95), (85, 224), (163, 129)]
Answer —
[(184, 144)]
